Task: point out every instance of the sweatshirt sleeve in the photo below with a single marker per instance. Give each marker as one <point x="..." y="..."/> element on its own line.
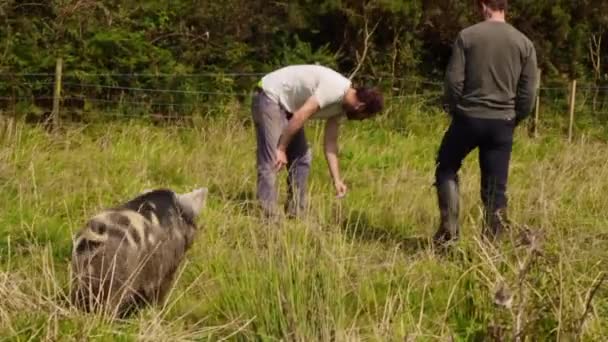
<point x="527" y="86"/>
<point x="455" y="74"/>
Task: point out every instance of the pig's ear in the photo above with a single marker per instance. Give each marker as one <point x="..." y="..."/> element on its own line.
<point x="193" y="201"/>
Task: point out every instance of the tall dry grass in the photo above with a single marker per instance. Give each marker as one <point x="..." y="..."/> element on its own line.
<point x="359" y="268"/>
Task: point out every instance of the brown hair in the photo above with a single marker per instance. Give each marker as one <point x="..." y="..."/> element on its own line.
<point x="495" y="5"/>
<point x="373" y="99"/>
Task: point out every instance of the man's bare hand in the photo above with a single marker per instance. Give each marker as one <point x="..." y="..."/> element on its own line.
<point x="281" y="159"/>
<point x="341" y="189"/>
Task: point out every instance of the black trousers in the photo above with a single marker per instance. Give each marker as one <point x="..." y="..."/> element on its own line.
<point x="494" y="138"/>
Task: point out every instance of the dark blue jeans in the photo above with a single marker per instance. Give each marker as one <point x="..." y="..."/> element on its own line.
<point x="494" y="138"/>
<point x="270" y="119"/>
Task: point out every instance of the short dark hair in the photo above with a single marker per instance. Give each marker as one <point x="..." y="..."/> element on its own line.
<point x="373" y="99"/>
<point x="496" y="5"/>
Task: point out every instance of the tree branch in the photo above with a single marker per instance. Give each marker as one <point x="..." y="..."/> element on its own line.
<point x="368" y="35"/>
<point x="192" y="37"/>
<point x="595" y="46"/>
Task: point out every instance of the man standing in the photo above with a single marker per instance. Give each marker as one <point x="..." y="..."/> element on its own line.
<point x="283" y="101"/>
<point x="490" y="87"/>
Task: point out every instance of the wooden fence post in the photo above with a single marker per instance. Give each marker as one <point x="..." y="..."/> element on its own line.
<point x="572" y="105"/>
<point x="57" y="93"/>
<point x="537" y="107"/>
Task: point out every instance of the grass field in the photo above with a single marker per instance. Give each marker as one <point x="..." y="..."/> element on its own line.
<point x="359" y="268"/>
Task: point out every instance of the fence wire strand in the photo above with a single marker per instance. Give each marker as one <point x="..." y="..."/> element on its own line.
<point x="76" y="88"/>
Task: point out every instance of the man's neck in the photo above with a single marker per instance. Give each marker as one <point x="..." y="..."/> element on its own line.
<point x="498" y="16"/>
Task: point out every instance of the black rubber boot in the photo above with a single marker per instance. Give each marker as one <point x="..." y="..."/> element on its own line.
<point x="449" y="228"/>
<point x="496" y="223"/>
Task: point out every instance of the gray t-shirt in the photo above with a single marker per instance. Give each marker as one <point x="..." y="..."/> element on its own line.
<point x="291" y="86"/>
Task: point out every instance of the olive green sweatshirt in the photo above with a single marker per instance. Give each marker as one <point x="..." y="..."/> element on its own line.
<point x="492" y="73"/>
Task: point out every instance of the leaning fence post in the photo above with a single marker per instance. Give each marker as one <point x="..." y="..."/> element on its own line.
<point x="572" y="104"/>
<point x="537" y="107"/>
<point x="57" y="93"/>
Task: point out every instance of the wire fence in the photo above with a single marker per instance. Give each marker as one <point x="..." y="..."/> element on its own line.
<point x="170" y="92"/>
<point x="187" y="95"/>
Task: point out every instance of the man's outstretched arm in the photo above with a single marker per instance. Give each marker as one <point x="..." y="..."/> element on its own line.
<point x="331" y="154"/>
